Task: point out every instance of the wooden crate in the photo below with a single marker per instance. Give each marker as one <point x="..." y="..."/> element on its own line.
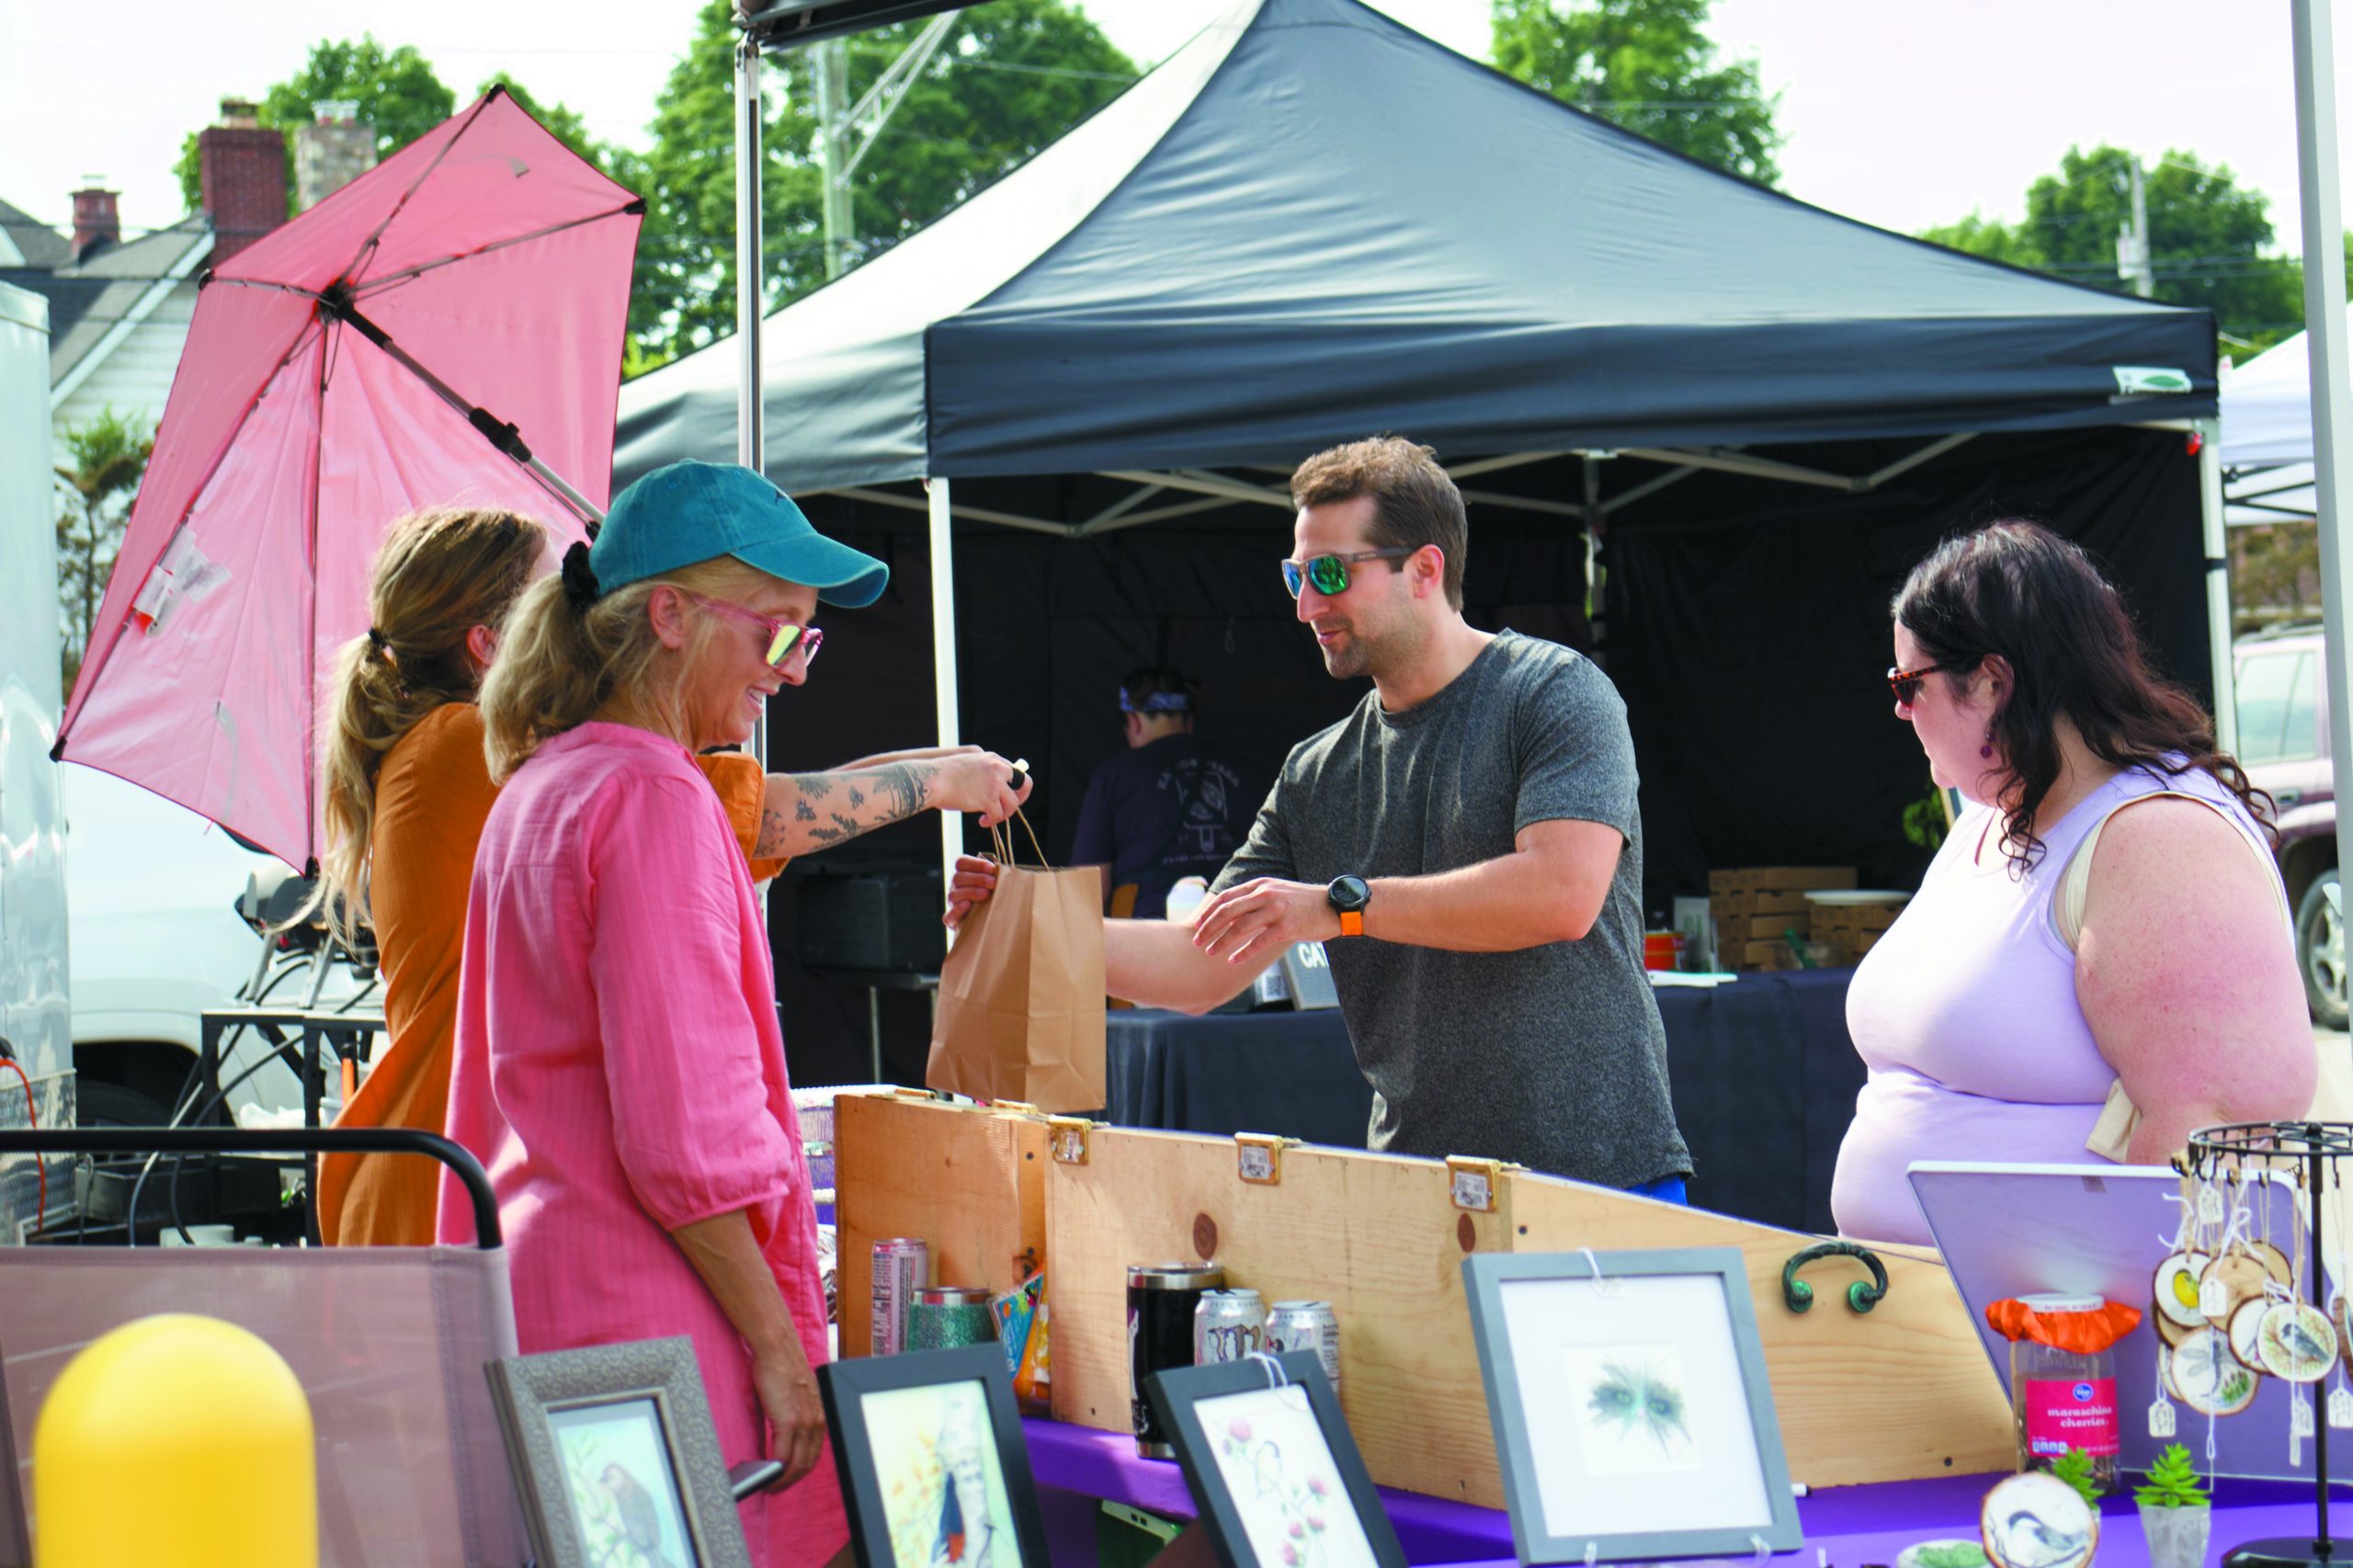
<point x="1376" y="1236"/>
<point x="1899" y="1394"/>
<point x="971" y="1182"/>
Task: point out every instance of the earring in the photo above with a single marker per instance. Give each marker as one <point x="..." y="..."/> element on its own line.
<point x="1985" y="752"/>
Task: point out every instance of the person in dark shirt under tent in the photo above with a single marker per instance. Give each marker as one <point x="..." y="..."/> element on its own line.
<point x="1167" y="808"/>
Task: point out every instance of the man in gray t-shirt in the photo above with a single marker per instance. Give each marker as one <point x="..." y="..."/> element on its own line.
<point x="1466" y="844"/>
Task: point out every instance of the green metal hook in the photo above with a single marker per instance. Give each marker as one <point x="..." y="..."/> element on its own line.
<point x="1798" y="1296"/>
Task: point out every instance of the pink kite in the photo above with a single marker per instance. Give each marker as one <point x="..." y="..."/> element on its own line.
<point x="447" y="329"/>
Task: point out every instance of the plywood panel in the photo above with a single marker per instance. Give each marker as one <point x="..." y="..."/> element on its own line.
<point x="1898" y="1393"/>
<point x="970" y="1182"/>
<point x="1377" y="1237"/>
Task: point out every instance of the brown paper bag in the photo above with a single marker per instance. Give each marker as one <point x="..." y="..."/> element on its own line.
<point x="1020" y="1013"/>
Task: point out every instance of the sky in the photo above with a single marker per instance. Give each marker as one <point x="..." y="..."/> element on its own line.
<point x="1902" y="113"/>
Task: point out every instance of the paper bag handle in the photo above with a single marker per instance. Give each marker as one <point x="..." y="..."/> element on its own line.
<point x="1001" y="838"/>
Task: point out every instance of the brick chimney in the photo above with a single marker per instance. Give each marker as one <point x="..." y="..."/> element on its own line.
<point x="243" y="170"/>
<point x="96" y="221"/>
<point x="330" y="152"/>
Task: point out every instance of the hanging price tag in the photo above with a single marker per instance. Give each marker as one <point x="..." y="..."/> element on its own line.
<point x="2210" y="1205"/>
<point x="2340" y="1407"/>
<point x="2161" y="1417"/>
<point x="2214" y="1294"/>
<point x="2300" y="1415"/>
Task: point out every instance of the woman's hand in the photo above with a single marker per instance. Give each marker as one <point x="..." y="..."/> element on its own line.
<point x="975" y="880"/>
<point x="978" y="781"/>
<point x="788" y="1392"/>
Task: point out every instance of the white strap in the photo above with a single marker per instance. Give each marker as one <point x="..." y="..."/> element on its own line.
<point x="2068" y="897"/>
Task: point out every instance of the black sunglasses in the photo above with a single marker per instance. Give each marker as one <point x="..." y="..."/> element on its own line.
<point x="1328" y="575"/>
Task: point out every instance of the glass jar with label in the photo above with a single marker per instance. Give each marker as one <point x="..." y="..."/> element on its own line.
<point x="2062" y="1398"/>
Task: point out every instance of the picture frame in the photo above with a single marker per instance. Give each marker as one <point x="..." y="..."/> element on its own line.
<point x="616" y="1457"/>
<point x="1270" y="1458"/>
<point x="933" y="1463"/>
<point x="1632" y="1412"/>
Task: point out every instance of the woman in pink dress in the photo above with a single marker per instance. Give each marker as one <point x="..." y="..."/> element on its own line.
<point x="618" y="1068"/>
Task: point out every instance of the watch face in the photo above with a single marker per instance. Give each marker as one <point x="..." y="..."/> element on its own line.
<point x="1347" y="893"/>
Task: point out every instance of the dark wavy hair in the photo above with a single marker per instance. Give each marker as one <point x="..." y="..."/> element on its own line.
<point x="2017" y="589"/>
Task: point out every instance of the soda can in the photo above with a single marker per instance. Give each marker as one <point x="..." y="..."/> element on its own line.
<point x="1228" y="1326"/>
<point x="902" y="1268"/>
<point x="1161" y="1300"/>
<point x="1307" y="1325"/>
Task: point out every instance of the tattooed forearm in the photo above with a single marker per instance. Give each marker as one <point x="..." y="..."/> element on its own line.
<point x="793" y="824"/>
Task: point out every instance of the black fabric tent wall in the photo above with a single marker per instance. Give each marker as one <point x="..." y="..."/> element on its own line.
<point x="1745" y="626"/>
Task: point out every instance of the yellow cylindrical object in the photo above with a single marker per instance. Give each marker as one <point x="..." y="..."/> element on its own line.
<point x="176" y="1441"/>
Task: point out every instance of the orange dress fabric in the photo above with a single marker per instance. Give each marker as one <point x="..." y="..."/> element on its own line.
<point x="433" y="794"/>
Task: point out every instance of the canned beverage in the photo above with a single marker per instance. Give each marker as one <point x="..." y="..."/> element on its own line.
<point x="1307" y="1325"/>
<point x="1228" y="1326"/>
<point x="1161" y="1298"/>
<point x="946" y="1316"/>
<point x="902" y="1268"/>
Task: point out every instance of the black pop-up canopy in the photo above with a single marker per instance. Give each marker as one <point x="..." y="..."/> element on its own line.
<point x="1312" y="222"/>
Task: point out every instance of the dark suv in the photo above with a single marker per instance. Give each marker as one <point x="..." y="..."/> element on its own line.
<point x="2284" y="741"/>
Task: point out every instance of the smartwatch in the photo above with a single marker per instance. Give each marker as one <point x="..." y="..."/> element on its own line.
<point x="1348" y="896"/>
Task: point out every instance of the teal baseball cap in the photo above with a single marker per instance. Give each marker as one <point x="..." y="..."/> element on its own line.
<point x="687" y="512"/>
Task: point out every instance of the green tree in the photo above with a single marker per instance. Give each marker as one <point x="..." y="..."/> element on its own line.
<point x="1014" y="76"/>
<point x="1649" y="66"/>
<point x="396" y="89"/>
<point x="2210" y="239"/>
<point x="106" y="460"/>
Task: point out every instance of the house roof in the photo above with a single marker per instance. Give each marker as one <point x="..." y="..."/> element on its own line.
<point x="114" y="283"/>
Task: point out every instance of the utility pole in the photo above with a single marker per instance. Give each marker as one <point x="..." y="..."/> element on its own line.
<point x="832" y="62"/>
<point x="2132" y="260"/>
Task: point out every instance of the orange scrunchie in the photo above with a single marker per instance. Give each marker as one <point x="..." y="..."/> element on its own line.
<point x="2085" y="1334"/>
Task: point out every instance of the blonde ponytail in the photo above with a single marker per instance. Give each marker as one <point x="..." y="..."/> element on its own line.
<point x="441" y="573"/>
<point x="568" y="650"/>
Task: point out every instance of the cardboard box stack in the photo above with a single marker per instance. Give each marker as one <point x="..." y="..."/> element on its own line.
<point x="1851" y="929"/>
<point x="1759" y="908"/>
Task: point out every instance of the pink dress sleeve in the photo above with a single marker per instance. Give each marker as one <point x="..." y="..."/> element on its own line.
<point x="691" y="1119"/>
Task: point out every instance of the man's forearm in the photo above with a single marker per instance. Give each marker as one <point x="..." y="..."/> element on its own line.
<point x="1154" y="964"/>
<point x="1497" y="906"/>
<point x="801" y="812"/>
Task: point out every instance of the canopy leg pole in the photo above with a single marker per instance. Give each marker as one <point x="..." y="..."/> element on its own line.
<point x="2316" y="169"/>
<point x="751" y="442"/>
<point x="2218" y="585"/>
<point x="943" y="660"/>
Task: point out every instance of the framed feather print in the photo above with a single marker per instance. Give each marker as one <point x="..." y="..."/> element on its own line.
<point x="1629" y="1403"/>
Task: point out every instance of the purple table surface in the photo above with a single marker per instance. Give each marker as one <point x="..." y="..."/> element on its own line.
<point x="1851" y="1527"/>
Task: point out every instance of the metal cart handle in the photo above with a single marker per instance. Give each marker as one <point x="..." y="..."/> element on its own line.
<point x="272" y="1141"/>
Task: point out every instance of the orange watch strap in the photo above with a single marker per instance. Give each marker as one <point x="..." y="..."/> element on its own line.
<point x="1352" y="923"/>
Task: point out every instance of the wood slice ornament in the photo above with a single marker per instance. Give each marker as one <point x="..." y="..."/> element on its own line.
<point x="2206" y="1377"/>
<point x="2275" y="1262"/>
<point x="2037" y="1520"/>
<point x="2246" y="1323"/>
<point x="2177" y="1289"/>
<point x="2295" y="1342"/>
<point x="2169" y="1333"/>
<point x="2229" y="1283"/>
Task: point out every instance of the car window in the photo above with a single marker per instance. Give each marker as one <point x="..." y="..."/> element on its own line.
<point x="2264" y="684"/>
<point x="2300" y="728"/>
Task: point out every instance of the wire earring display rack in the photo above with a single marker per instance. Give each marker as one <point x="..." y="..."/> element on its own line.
<point x="2311" y="1155"/>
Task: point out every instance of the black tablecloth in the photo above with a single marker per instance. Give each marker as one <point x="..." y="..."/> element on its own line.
<point x="1763" y="1072"/>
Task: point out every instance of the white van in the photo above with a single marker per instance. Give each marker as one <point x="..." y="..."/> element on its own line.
<point x="35" y="1031"/>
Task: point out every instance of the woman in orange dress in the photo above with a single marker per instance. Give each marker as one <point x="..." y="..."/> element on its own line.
<point x="407" y="789"/>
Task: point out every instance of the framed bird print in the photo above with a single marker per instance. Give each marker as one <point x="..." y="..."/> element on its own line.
<point x="934" y="1472"/>
<point x="1268" y="1456"/>
<point x="1629" y="1403"/>
<point x="616" y="1458"/>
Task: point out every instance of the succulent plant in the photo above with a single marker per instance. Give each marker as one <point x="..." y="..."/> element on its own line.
<point x="2172" y="1483"/>
<point x="2074" y="1468"/>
